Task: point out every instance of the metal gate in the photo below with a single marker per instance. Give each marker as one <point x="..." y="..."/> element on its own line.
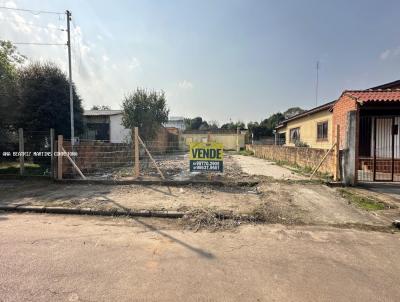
<point x="379" y="156"/>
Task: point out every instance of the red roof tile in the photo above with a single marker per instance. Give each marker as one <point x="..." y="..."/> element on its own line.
<point x="388" y="95"/>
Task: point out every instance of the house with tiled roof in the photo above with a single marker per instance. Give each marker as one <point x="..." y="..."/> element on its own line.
<point x="363" y="121"/>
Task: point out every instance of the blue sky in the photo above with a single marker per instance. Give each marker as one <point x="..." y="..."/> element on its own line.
<point x="238" y="60"/>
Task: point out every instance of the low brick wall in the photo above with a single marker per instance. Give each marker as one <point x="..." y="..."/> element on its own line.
<point x="301" y="156"/>
<point x="94" y="156"/>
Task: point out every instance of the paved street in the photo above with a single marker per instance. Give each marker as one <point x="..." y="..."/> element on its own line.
<point x="74" y="258"/>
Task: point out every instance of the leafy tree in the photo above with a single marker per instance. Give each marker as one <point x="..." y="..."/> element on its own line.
<point x="100" y="107"/>
<point x="146" y="110"/>
<point x="233" y="126"/>
<point x="292" y="112"/>
<point x="44" y="100"/>
<point x="193" y="123"/>
<point x="9" y="60"/>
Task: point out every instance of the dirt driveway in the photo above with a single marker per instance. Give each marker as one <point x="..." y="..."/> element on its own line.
<point x="256" y="166"/>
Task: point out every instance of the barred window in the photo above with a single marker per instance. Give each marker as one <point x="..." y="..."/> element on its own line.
<point x="322" y="131"/>
<point x="295" y="135"/>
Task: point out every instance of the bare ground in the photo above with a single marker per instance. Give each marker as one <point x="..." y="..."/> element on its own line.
<point x="271" y="202"/>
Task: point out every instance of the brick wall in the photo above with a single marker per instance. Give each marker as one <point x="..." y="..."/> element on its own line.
<point x="301" y="156"/>
<point x="97" y="156"/>
<point x="340" y="110"/>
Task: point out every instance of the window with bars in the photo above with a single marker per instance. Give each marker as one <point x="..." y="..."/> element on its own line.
<point x="322" y="131"/>
<point x="295" y="135"/>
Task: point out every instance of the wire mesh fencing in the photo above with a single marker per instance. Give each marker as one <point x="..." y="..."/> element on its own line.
<point x="26" y="153"/>
<point x="158" y="159"/>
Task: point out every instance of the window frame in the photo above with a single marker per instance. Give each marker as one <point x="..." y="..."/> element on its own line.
<point x="290" y="135"/>
<point x="323" y="138"/>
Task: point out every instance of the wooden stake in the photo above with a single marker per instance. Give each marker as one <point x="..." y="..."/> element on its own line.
<point x="59" y="159"/>
<point x="73" y="164"/>
<point x="137" y="162"/>
<point x="151" y="157"/>
<point x="337" y="154"/>
<point x="52" y="153"/>
<point x="322" y="160"/>
<point x="21" y="150"/>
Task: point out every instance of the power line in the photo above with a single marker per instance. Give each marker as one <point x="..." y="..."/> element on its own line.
<point x="31" y="24"/>
<point x="34" y="12"/>
<point x="34" y="43"/>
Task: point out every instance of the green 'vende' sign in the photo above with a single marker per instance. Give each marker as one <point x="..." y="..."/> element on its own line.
<point x="206" y="157"/>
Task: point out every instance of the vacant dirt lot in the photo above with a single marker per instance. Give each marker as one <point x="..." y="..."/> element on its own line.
<point x="288" y="203"/>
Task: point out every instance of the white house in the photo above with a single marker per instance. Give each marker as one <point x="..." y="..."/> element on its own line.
<point x="105" y="125"/>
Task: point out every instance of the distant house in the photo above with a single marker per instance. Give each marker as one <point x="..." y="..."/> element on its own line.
<point x="176" y="122"/>
<point x="105" y="125"/>
<point x="228" y="138"/>
<point x="312" y="128"/>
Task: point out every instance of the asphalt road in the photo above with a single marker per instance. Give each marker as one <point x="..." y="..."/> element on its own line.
<point x="72" y="258"/>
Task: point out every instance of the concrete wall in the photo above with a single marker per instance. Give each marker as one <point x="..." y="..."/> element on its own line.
<point x="118" y="133"/>
<point x="308" y="130"/>
<point x="301" y="156"/>
<point x="227" y="139"/>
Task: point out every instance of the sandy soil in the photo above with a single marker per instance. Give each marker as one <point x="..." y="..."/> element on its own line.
<point x="256" y="166"/>
<point x="282" y="202"/>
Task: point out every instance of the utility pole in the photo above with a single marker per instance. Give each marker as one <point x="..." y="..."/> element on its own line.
<point x="316" y="87"/>
<point x="71" y="99"/>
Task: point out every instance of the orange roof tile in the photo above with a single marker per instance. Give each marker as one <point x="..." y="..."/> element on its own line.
<point x="387" y="95"/>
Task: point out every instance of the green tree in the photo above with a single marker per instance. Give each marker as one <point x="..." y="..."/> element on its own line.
<point x="44" y="100"/>
<point x="193" y="123"/>
<point x="146" y="110"/>
<point x="9" y="60"/>
<point x="292" y="112"/>
<point x="233" y="126"/>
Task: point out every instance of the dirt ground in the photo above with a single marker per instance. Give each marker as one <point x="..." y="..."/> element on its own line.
<point x="77" y="258"/>
<point x="288" y="203"/>
<point x="256" y="166"/>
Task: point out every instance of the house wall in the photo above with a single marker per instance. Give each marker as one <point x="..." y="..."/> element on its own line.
<point x="227" y="139"/>
<point x="118" y="133"/>
<point x="339" y="117"/>
<point x="308" y="129"/>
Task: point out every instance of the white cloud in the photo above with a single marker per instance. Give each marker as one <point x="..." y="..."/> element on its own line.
<point x="390" y="53"/>
<point x="134" y="63"/>
<point x="11" y="4"/>
<point x="185" y="84"/>
<point x="105" y="58"/>
<point x="99" y="37"/>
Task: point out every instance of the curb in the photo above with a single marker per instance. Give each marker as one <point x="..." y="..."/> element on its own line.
<point x="88" y="211"/>
<point x="171" y="183"/>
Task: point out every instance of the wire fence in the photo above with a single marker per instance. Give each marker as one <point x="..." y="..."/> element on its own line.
<point x="158" y="159"/>
<point x="26" y="153"/>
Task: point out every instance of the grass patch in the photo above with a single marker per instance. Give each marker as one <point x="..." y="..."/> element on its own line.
<point x="12" y="168"/>
<point x="363" y="202"/>
<point x="306" y="171"/>
<point x="246" y="152"/>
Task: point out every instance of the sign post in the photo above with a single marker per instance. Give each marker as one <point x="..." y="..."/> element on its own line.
<point x="206" y="157"/>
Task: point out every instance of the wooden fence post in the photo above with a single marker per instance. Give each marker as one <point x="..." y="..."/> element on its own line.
<point x="336" y="176"/>
<point x="21" y="151"/>
<point x="237" y="140"/>
<point x="59" y="158"/>
<point x="52" y="153"/>
<point x="136" y="141"/>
